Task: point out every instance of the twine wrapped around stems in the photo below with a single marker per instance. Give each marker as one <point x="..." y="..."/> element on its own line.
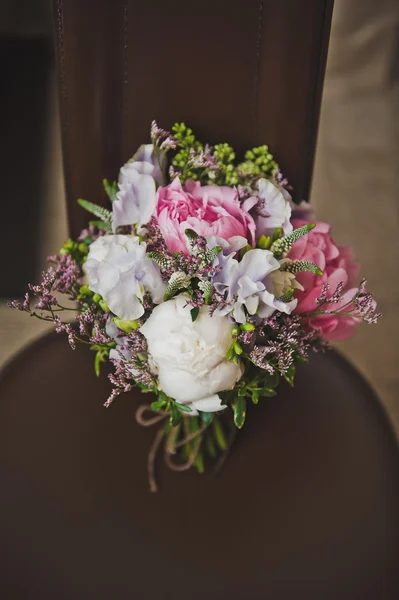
<point x="171" y="439"/>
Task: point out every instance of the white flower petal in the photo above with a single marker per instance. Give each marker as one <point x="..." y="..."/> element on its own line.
<point x="136" y="199"/>
<point x="117" y="268"/>
<point x="190" y="357"/>
<point x="277" y="206"/>
<point x="210" y="404"/>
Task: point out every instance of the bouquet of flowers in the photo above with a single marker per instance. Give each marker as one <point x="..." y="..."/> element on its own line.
<point x="204" y="285"/>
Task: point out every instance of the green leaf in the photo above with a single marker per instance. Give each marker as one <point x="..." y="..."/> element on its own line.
<point x="219" y="434"/>
<point x="290" y="374"/>
<point x="268" y="392"/>
<point x="199" y="463"/>
<point x="205" y="417"/>
<point x="102" y="213"/>
<point x="210" y="445"/>
<point x="100" y="357"/>
<point x="158" y="405"/>
<point x="240" y="411"/>
<point x="100" y="225"/>
<point x="183" y="407"/>
<point x="255" y="396"/>
<point x="110" y="189"/>
<point x="194" y="313"/>
<point x="176" y="416"/>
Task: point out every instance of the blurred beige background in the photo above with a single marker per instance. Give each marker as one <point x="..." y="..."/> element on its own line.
<point x="355" y="183"/>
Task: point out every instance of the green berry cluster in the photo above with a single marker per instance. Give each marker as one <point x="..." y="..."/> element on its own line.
<point x="181" y="161"/>
<point x="259" y="162"/>
<point x="225" y="156"/>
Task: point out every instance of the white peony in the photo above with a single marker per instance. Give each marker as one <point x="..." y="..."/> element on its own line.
<point x="136" y="198"/>
<point x="119" y="270"/>
<point x="190" y="357"/>
<point x="277" y="207"/>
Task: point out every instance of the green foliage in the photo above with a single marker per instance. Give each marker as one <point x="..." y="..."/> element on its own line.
<point x="182" y="160"/>
<point x="264" y="242"/>
<point x="206" y="417"/>
<point x="259" y="162"/>
<point x="100" y="212"/>
<point x="111" y="189"/>
<point x="126" y="326"/>
<point x="289" y="375"/>
<point x="219" y="435"/>
<point x="194" y="313"/>
<point x="282" y="246"/>
<point x="240" y="409"/>
<point x="227" y="173"/>
<point x="160" y="259"/>
<point x="206" y="288"/>
<point x="101" y="356"/>
<point x="288" y="295"/>
<point x="78" y="250"/>
<point x="297" y="266"/>
<point x="177" y="282"/>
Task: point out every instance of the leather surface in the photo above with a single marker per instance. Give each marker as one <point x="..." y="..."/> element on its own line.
<point x="306" y="506"/>
<point x="242" y="71"/>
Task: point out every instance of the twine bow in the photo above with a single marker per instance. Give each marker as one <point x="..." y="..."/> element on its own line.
<point x="172" y="441"/>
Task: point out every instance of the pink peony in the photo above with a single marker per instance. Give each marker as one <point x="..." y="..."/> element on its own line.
<point x="208" y="210"/>
<point x="337" y="264"/>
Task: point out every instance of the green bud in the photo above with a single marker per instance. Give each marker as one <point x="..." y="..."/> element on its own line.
<point x="104" y="305"/>
<point x="63" y="251"/>
<point x="229" y="354"/>
<point x="69" y="244"/>
<point x="247" y="327"/>
<point x="237" y="348"/>
<point x="264" y="242"/>
<point x="244" y="250"/>
<point x="83" y="248"/>
<point x="96" y="298"/>
<point x="126" y="326"/>
<point x="85" y="290"/>
<point x="278" y="233"/>
<point x="235" y="331"/>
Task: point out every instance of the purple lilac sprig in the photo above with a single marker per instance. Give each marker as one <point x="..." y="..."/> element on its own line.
<point x="361" y="305"/>
<point x="162" y="138"/>
<point x="131" y="367"/>
<point x="282" y="340"/>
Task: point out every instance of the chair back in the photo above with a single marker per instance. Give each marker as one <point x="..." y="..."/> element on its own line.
<point x="244" y="71"/>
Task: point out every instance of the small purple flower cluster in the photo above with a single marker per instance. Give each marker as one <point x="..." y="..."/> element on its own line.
<point x="360" y="305"/>
<point x="285" y="340"/>
<point x="135" y="348"/>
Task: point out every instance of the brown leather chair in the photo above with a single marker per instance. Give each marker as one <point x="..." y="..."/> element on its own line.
<point x="307" y="504"/>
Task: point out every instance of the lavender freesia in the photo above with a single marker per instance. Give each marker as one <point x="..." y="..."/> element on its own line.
<point x="138" y="180"/>
<point x="118" y="269"/>
<point x="248" y="284"/>
<point x="274" y="209"/>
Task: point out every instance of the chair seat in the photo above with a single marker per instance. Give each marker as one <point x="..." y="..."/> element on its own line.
<point x="306" y="506"/>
